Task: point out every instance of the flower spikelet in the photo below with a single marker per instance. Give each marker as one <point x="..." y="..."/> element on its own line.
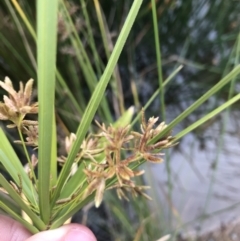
<point x="17" y="104"/>
<point x="117" y="169"/>
<point x="151" y="152"/>
<point x="31" y="132"/>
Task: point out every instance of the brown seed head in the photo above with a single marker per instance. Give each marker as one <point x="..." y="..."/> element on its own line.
<point x="17" y="104"/>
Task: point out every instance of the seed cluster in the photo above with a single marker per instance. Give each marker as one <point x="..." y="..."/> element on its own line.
<point x="110" y="157"/>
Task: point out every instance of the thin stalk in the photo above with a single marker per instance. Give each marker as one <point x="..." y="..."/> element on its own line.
<point x="158" y="53"/>
<point x="14" y="167"/>
<point x="107" y="43"/>
<point x="16" y="54"/>
<point x="102" y="28"/>
<point x="24" y="18"/>
<point x="20" y="29"/>
<point x="134" y="90"/>
<point x="161" y="95"/>
<point x="30" y="165"/>
<point x="90" y="36"/>
<point x="27" y="155"/>
<point x="236" y="62"/>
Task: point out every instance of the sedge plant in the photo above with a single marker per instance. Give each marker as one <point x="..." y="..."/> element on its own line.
<point x="98" y="164"/>
<point x="93" y="161"/>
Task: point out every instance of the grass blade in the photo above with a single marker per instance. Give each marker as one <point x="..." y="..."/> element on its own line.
<point x="14" y="167"/>
<point x="116" y="85"/>
<point x="4" y="198"/>
<point x="46" y="53"/>
<point x="158" y="53"/>
<point x="24" y="18"/>
<point x="207" y="117"/>
<point x="18" y="199"/>
<point x="200" y="101"/>
<point x="92" y="43"/>
<point x="18" y="218"/>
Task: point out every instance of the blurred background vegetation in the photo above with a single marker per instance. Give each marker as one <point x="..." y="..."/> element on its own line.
<point x="201" y="35"/>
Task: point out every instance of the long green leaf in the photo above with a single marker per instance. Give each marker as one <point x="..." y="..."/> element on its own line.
<point x="46" y="55"/>
<point x="4" y="198"/>
<point x="14" y="167"/>
<point x="200" y="101"/>
<point x="18" y="199"/>
<point x="107" y="43"/>
<point x="97" y="96"/>
<point x="158" y="53"/>
<point x="207" y="117"/>
<point x="18" y="218"/>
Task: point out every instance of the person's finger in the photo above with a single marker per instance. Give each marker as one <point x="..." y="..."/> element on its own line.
<point x="70" y="232"/>
<point x="11" y="230"/>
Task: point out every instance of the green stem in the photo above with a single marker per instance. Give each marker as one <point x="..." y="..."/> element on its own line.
<point x="27" y="155"/>
<point x="158" y="53"/>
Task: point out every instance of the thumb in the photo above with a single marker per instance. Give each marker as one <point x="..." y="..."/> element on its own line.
<point x="70" y="232"/>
